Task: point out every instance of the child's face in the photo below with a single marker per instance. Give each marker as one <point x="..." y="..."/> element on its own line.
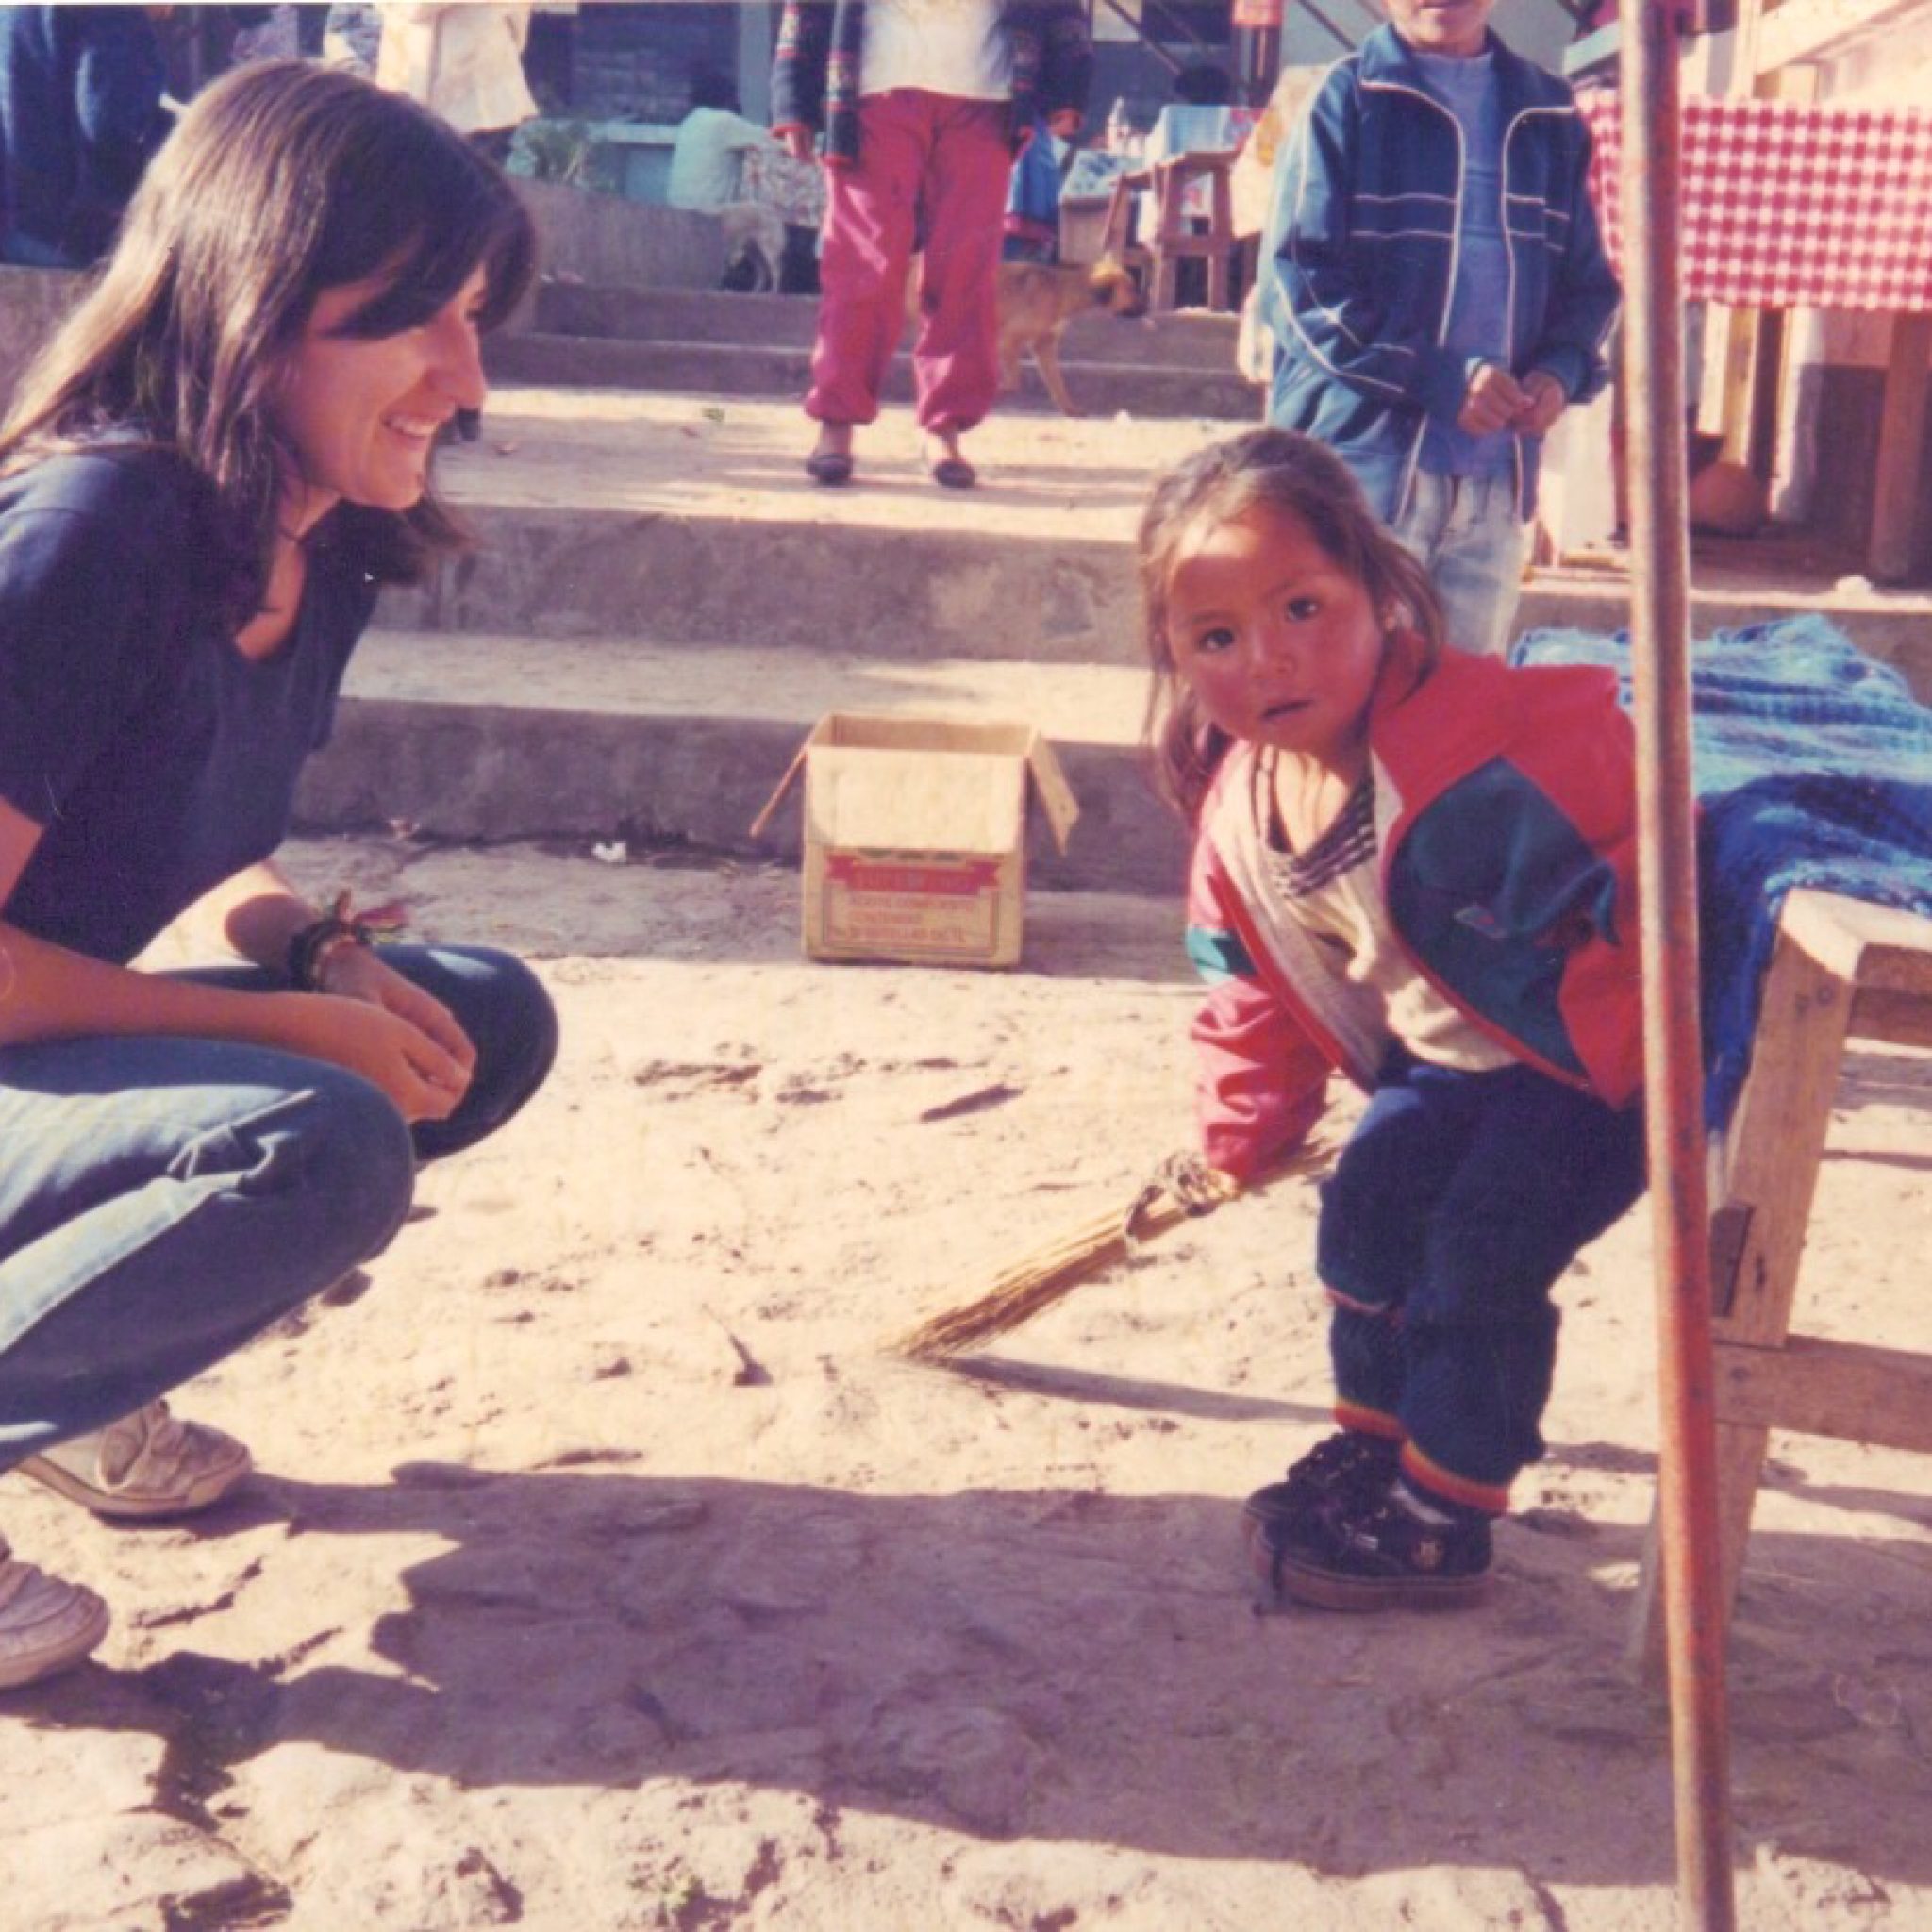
<point x="1450" y="28"/>
<point x="1279" y="644"/>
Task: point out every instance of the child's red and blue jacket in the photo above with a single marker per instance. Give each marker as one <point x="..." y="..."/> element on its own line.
<point x="1508" y="864"/>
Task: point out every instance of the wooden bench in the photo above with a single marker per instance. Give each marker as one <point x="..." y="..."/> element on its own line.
<point x="1842" y="970"/>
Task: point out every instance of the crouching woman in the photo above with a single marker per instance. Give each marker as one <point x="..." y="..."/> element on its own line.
<point x="204" y="479"/>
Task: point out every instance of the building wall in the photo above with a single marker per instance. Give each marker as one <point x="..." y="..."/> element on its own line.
<point x="1834" y="390"/>
<point x="32" y="301"/>
<point x="634" y="62"/>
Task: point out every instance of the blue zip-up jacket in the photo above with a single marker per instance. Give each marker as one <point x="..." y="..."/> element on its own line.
<point x="1363" y="237"/>
<point x="81" y="93"/>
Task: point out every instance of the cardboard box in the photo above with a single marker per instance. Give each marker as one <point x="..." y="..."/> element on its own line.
<point x="915" y="836"/>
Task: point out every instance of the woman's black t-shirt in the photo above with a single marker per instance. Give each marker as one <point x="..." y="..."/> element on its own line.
<point x="157" y="758"/>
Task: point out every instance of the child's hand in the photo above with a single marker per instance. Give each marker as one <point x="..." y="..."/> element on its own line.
<point x="1198" y="1188"/>
<point x="800" y="143"/>
<point x="1494" y="401"/>
<point x="1546" y="402"/>
<point x="1183" y="1180"/>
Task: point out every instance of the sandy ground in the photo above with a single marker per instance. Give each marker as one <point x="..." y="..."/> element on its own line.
<point x="603" y="1571"/>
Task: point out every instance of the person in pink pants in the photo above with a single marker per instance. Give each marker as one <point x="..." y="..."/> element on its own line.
<point x="923" y="104"/>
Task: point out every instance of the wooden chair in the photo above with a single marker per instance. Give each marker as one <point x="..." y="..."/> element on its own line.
<point x="1117" y="232"/>
<point x="1842" y="970"/>
<point x="1171" y="239"/>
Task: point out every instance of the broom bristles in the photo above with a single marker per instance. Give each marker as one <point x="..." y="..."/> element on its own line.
<point x="1051" y="1272"/>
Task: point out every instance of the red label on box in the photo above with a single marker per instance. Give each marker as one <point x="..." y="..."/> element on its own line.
<point x="920" y="881"/>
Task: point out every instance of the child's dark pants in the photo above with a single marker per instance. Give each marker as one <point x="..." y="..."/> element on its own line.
<point x="1457" y="1204"/>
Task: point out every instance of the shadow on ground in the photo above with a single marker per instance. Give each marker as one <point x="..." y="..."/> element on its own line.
<point x="1055" y="1662"/>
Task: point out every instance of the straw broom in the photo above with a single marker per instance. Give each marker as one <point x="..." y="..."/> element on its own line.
<point x="1182" y="1190"/>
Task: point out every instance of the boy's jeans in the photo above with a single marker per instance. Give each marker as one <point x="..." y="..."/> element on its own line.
<point x="164" y="1199"/>
<point x="1458" y="1202"/>
<point x="1467" y="534"/>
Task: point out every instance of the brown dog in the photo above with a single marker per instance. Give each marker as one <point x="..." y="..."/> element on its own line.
<point x="1036" y="300"/>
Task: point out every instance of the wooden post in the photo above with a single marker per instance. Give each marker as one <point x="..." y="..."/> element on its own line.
<point x="1688" y="1512"/>
<point x="1900" y="444"/>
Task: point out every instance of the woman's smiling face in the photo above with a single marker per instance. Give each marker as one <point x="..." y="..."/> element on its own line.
<point x="361" y="413"/>
<point x="1278" y="643"/>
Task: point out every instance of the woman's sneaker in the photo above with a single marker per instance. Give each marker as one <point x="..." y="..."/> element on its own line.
<point x="1392" y="1551"/>
<point x="1345" y="1464"/>
<point x="46" y="1625"/>
<point x="150" y="1463"/>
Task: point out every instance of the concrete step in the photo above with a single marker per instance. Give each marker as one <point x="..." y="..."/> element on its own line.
<point x="1189" y="338"/>
<point x="612" y="514"/>
<point x="662" y="605"/>
<point x="479" y="736"/>
<point x="740" y="369"/>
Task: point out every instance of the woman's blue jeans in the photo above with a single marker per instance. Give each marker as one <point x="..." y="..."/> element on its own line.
<point x="164" y="1200"/>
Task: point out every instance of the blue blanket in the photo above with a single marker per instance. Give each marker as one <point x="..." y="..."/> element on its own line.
<point x="1812" y="766"/>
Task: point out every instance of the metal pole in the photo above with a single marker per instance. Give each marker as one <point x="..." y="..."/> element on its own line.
<point x="1660" y="633"/>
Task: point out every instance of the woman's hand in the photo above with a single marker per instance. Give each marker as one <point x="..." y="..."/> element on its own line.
<point x="360" y="972"/>
<point x="372" y="1021"/>
<point x="799" y="144"/>
<point x="424" y="1079"/>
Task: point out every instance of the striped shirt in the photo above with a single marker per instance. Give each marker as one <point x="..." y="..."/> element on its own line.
<point x="1332" y="892"/>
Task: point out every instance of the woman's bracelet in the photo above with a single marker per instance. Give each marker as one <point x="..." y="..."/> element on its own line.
<point x="311" y="949"/>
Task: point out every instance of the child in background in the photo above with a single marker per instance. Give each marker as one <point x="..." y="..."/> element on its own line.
<point x="1416" y="866"/>
<point x="706" y="160"/>
<point x="1033" y="200"/>
<point x="1439" y="292"/>
<point x="923" y="104"/>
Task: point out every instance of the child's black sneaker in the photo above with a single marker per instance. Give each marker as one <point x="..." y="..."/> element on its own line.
<point x="1388" y="1551"/>
<point x="1348" y="1463"/>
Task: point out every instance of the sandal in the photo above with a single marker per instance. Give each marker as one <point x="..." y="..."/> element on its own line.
<point x="829" y="466"/>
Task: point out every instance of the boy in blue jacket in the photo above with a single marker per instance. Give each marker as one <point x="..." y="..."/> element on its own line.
<point x="1440" y="292"/>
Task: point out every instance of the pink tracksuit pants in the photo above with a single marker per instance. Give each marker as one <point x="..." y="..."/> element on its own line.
<point x="936" y="166"/>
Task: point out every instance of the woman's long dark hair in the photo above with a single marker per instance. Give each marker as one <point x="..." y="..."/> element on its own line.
<point x="283" y="178"/>
<point x="1284" y="471"/>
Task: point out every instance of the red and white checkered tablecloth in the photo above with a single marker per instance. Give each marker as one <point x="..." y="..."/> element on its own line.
<point x="1788" y="205"/>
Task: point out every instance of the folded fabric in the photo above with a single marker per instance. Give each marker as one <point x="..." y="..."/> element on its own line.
<point x="1812" y="766"/>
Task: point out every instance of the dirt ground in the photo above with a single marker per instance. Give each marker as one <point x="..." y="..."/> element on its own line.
<point x="604" y="1572"/>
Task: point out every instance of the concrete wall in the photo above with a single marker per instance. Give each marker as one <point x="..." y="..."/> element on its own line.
<point x="32" y="300"/>
<point x="611" y="243"/>
<point x="590" y="238"/>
